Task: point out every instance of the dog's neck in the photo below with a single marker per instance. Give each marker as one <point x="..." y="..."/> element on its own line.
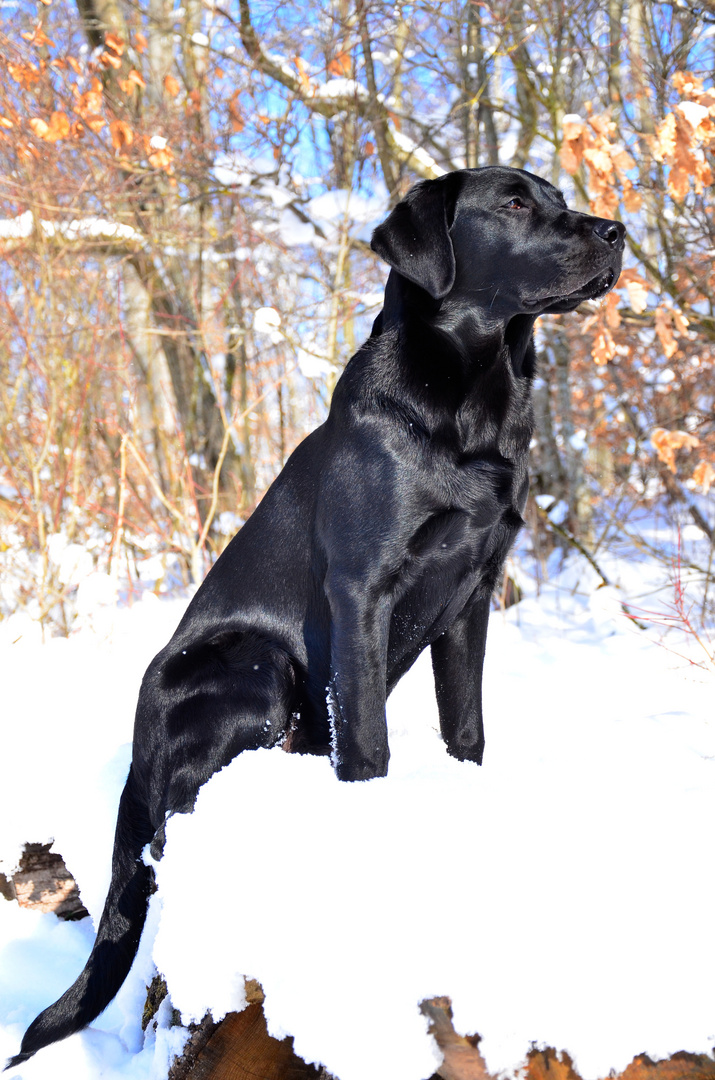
<point x="476" y="340"/>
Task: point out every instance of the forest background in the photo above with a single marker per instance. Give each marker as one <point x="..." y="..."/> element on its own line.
<point x="186" y="200"/>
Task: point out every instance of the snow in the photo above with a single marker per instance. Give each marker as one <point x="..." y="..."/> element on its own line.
<point x="560" y="894"/>
<point x="94" y="228"/>
<point x="417" y="153"/>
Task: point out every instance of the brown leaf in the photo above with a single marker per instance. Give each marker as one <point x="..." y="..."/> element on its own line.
<point x="704" y="476"/>
<point x="637" y="288"/>
<point x="341" y="65"/>
<point x="58" y="127"/>
<point x="664" y="330"/>
<point x="38" y="37"/>
<point x="122" y="135"/>
<point x="161" y="159"/>
<point x="604" y="347"/>
<point x="667" y="442"/>
<point x="140" y="42"/>
<point x="94" y="123"/>
<point x="632" y="199"/>
<point x="613" y="315"/>
<point x="665" y="136"/>
<point x="110" y="59"/>
<point x="111" y="41"/>
<point x="171" y="85"/>
<point x="235" y="112"/>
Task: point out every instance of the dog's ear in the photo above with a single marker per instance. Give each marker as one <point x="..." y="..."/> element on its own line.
<point x="415" y="239"/>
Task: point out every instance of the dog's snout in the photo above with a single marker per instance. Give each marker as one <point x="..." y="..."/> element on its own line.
<point x="611" y="232"/>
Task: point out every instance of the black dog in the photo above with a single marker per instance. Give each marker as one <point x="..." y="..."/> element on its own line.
<point x="386" y="532"/>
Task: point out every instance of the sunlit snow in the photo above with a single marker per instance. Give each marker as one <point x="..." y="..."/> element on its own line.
<point x="560" y="894"/>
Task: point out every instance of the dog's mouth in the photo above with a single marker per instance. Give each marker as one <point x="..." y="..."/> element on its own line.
<point x="594" y="289"/>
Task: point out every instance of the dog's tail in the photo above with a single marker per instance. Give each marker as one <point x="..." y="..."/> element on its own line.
<point x="117" y="941"/>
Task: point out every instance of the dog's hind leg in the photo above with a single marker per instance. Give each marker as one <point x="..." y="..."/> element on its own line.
<point x="202" y="703"/>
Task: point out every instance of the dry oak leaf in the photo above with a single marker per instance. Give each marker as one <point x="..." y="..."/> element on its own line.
<point x="38" y="37"/>
<point x="171" y="85"/>
<point x="161" y="159"/>
<point x="24" y="74"/>
<point x="637" y="288"/>
<point x="704" y="476"/>
<point x="341" y="64"/>
<point x="667" y="442"/>
<point x="122" y="135"/>
<point x="664" y="330"/>
<point x="613" y="315"/>
<point x="604" y="348"/>
<point x="687" y="83"/>
<point x="110" y="59"/>
<point x="305" y="79"/>
<point x="599" y="160"/>
<point x="58" y="127"/>
<point x="111" y="41"/>
<point x="632" y="199"/>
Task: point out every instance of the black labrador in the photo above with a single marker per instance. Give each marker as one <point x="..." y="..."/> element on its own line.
<point x="385" y="533"/>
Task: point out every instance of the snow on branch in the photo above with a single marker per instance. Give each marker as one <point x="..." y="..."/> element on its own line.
<point x="336" y="96"/>
<point x="14" y="231"/>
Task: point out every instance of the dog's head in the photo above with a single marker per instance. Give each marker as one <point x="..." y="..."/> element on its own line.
<point x="501" y="239"/>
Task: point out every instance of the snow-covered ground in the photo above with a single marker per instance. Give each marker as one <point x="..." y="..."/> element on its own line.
<point x="561" y="894"/>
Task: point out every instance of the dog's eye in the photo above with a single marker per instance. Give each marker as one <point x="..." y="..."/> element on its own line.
<point x="515" y="204"/>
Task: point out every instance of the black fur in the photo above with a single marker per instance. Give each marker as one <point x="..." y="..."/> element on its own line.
<point x="385" y="533"/>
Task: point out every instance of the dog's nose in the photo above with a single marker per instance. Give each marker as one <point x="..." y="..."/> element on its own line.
<point x="612" y="232"/>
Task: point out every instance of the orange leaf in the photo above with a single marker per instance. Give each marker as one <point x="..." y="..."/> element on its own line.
<point x="303" y="74"/>
<point x="38" y="37"/>
<point x="235" y="112"/>
<point x="667" y="442"/>
<point x="110" y="59"/>
<point x="613" y="315"/>
<point x="637" y="288"/>
<point x="604" y="348"/>
<point x="74" y="65"/>
<point x="4" y="122"/>
<point x="94" y="123"/>
<point x="219" y="73"/>
<point x="161" y="159"/>
<point x="632" y="199"/>
<point x="58" y="127"/>
<point x="135" y="77"/>
<point x="704" y="476"/>
<point x="341" y="65"/>
<point x="40" y="127"/>
<point x="140" y="42"/>
<point x="122" y="135"/>
<point x="24" y="74"/>
<point x="111" y="41"/>
<point x="664" y="330"/>
<point x="665" y="139"/>
<point x="171" y="85"/>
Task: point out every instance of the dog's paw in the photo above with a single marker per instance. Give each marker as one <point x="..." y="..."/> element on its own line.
<point x="467" y="752"/>
<point x="360" y="770"/>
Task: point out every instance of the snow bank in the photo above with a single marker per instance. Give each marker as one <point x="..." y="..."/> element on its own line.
<point x="560" y="894"/>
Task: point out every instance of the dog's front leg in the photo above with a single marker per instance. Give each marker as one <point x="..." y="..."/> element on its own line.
<point x="457" y="662"/>
<point x="357" y="691"/>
